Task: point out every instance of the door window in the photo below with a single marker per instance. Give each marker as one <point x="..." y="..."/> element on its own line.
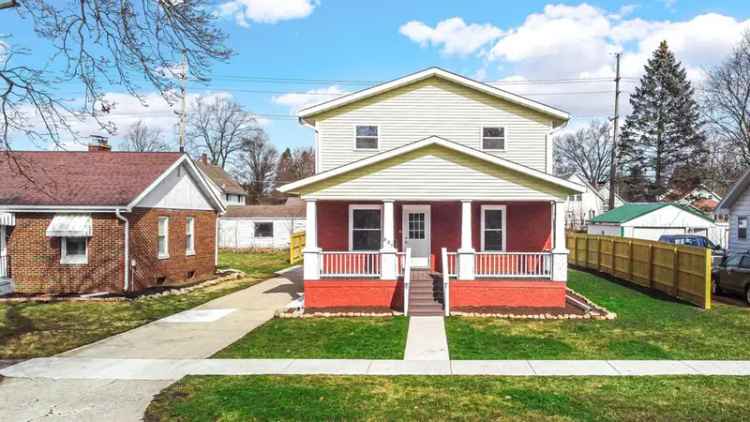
<point x="416" y="226"/>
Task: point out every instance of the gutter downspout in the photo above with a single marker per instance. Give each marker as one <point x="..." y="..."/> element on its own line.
<point x="126" y="287"/>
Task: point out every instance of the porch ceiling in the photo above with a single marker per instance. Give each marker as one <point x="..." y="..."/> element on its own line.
<point x="436" y="170"/>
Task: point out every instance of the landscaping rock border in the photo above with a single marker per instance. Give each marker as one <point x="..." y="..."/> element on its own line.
<point x="283" y="313"/>
<point x="223" y="276"/>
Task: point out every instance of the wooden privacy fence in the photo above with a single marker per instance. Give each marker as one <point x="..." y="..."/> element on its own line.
<point x="683" y="272"/>
<point x="296" y="243"/>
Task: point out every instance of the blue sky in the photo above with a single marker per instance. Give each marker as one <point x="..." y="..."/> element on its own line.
<point x="514" y="44"/>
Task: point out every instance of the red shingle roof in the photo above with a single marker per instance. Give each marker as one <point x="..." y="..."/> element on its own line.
<point x="79" y="178"/>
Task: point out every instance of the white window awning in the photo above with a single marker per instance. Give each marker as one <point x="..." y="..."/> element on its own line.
<point x="70" y="225"/>
<point x="7" y="219"/>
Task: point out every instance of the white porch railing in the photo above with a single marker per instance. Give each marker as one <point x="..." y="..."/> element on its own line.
<point x="407" y="279"/>
<point x="4" y="267"/>
<point x="349" y="264"/>
<point x="401" y="262"/>
<point x="447" y="280"/>
<point x="513" y="264"/>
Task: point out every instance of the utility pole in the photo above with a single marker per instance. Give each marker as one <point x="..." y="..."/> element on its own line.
<point x="183" y="95"/>
<point x="613" y="160"/>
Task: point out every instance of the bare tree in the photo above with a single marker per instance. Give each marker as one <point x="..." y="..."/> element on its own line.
<point x="257" y="166"/>
<point x="586" y="152"/>
<point x="295" y="164"/>
<point x="726" y="100"/>
<point x="142" y="138"/>
<point x="100" y="44"/>
<point x="218" y="127"/>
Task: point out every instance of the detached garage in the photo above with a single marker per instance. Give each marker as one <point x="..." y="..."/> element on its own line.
<point x="651" y="220"/>
<point x="261" y="226"/>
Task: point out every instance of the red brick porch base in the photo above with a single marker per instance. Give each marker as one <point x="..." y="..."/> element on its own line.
<point x="521" y="293"/>
<point x="353" y="293"/>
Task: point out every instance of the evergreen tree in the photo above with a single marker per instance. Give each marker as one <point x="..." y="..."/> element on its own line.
<point x="664" y="130"/>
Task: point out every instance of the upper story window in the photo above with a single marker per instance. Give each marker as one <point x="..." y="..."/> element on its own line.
<point x="493" y="138"/>
<point x="163" y="237"/>
<point x="235" y="199"/>
<point x="366" y="137"/>
<point x="190" y="236"/>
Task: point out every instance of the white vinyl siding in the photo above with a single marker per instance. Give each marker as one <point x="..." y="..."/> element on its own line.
<point x="239" y="233"/>
<point x="741" y="208"/>
<point x="435" y="173"/>
<point x="434" y="107"/>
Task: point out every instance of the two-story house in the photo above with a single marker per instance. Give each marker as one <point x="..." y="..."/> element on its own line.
<point x="441" y="174"/>
<point x="229" y="189"/>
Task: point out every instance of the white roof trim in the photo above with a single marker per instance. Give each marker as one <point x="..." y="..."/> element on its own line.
<point x="197" y="175"/>
<point x="432" y="140"/>
<point x="428" y="73"/>
<point x="734" y="193"/>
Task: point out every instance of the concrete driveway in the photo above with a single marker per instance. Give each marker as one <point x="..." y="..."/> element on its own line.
<point x="198" y="333"/>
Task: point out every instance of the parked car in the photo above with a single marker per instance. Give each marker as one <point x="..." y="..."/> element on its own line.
<point x="733" y="275"/>
<point x="717" y="253"/>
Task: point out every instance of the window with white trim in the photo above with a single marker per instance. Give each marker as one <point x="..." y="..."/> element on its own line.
<point x="493" y="227"/>
<point x="742" y="228"/>
<point x="74" y="250"/>
<point x="264" y="229"/>
<point x="493" y="138"/>
<point x="190" y="236"/>
<point x="365" y="227"/>
<point x="163" y="237"/>
<point x="366" y="137"/>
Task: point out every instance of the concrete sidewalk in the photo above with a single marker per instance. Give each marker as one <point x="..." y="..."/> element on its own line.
<point x="426" y="339"/>
<point x="114" y="392"/>
<point x="174" y="369"/>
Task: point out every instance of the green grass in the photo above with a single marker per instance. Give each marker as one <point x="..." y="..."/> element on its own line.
<point x="43" y="329"/>
<point x="328" y="338"/>
<point x="646" y="328"/>
<point x="283" y="398"/>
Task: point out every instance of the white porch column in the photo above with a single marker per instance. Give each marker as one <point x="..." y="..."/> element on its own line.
<point x="311" y="251"/>
<point x="559" y="250"/>
<point x="466" y="252"/>
<point x="388" y="259"/>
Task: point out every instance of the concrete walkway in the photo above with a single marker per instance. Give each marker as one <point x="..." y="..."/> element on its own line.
<point x="174" y="369"/>
<point x="426" y="339"/>
<point x="109" y="391"/>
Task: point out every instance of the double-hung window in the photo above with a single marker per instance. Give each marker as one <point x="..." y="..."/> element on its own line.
<point x="264" y="229"/>
<point x="742" y="228"/>
<point x="365" y="227"/>
<point x="74" y="250"/>
<point x="494" y="230"/>
<point x="366" y="137"/>
<point x="493" y="138"/>
<point x="190" y="236"/>
<point x="163" y="237"/>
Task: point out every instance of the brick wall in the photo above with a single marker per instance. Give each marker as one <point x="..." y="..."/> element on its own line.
<point x="149" y="269"/>
<point x="35" y="258"/>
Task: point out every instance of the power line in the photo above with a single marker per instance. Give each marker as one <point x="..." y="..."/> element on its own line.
<point x="336" y="94"/>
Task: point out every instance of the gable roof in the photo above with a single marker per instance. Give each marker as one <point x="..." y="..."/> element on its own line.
<point x="68" y="179"/>
<point x="437" y="72"/>
<point x="432" y="140"/>
<point x="633" y="210"/>
<point x="735" y="192"/>
<point x="267" y="211"/>
<point x="220" y="178"/>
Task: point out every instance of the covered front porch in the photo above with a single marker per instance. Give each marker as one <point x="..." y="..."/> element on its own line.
<point x="479" y="253"/>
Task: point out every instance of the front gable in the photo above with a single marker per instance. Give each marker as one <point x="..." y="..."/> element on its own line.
<point x="178" y="189"/>
<point x="434" y="172"/>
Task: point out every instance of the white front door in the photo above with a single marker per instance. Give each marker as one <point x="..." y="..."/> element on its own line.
<point x="416" y="233"/>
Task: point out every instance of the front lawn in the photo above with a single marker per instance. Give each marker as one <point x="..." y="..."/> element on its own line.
<point x="43" y="329"/>
<point x="348" y="398"/>
<point x="646" y="328"/>
<point x="324" y="338"/>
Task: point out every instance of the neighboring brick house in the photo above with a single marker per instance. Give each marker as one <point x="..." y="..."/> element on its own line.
<point x="230" y="190"/>
<point x="65" y="218"/>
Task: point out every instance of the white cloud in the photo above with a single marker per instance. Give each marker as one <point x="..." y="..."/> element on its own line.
<point x="453" y="35"/>
<point x="267" y="11"/>
<point x="299" y="100"/>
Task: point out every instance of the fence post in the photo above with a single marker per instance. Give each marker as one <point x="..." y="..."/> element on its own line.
<point x="598" y="253"/>
<point x="675" y="271"/>
<point x="651" y="265"/>
<point x="707" y="295"/>
<point x="631" y="258"/>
